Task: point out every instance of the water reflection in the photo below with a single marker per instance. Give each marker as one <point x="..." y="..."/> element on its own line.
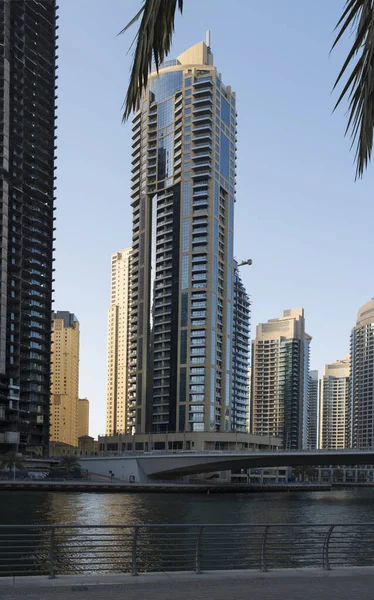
<point x="82" y="550"/>
<point x="96" y="509"/>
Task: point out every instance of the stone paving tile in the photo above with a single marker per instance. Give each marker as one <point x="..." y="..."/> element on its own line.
<point x="263" y="587"/>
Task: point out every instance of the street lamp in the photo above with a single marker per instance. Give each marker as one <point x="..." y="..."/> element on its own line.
<point x="245" y="262"/>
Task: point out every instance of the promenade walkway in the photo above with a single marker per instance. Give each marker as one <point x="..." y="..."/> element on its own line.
<point x="347" y="584"/>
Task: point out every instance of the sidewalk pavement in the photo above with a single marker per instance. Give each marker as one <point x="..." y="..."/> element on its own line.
<point x="305" y="584"/>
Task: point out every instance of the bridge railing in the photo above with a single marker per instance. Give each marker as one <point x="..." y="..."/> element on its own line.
<point x="54" y="550"/>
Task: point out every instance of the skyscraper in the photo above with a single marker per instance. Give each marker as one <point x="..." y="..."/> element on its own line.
<point x="182" y="194"/>
<point x="28" y="134"/>
<point x="312" y="438"/>
<point x="240" y="355"/>
<point x="362" y="377"/>
<point x="335" y="406"/>
<point x="280" y="365"/>
<point x="118" y="344"/>
<point x="83" y="417"/>
<point x="65" y="378"/>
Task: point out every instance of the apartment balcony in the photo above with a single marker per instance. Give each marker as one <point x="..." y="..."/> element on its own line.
<point x="203" y="89"/>
<point x="196" y="174"/>
<point x="200" y="98"/>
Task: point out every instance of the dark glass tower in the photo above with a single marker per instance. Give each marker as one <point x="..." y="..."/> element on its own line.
<point x="27" y="97"/>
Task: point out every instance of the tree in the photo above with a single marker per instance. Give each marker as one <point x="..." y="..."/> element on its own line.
<point x="69" y="464"/>
<point x="155" y="33"/>
<point x="12" y="461"/>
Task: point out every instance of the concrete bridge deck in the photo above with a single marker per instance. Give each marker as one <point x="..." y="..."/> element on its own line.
<point x="147" y="466"/>
<point x="347" y="584"/>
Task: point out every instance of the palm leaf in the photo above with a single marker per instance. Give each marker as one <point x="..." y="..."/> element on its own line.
<point x="359" y="86"/>
<point x="153" y="41"/>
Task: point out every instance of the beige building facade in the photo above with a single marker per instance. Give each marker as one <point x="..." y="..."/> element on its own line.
<point x="334" y="405"/>
<point x="83" y="417"/>
<point x="118" y="343"/>
<point x="279" y="378"/>
<point x="64" y="378"/>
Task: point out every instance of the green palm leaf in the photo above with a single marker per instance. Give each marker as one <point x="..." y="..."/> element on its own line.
<point x="153" y="40"/>
<point x="359" y="86"/>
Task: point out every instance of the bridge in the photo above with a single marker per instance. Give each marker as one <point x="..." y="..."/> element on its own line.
<point x="142" y="467"/>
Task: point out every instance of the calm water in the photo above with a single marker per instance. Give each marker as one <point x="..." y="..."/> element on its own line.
<point x="78" y="508"/>
<point x="110" y="550"/>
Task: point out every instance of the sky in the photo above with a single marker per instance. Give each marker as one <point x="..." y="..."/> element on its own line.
<point x="300" y="216"/>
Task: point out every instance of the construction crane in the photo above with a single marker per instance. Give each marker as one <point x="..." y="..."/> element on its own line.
<point x="245" y="262"/>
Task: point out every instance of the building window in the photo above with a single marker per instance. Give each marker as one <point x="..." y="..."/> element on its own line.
<point x="182" y="418"/>
<point x="229" y="282"/>
<point x="215" y="272"/>
<point x="185" y="260"/>
<point x="186" y="198"/>
<point x="225" y="111"/>
<point x="165" y="113"/>
<point x="224" y="158"/>
<point x="214" y="338"/>
<point x="186" y="235"/>
<point x="182" y="385"/>
<point x="214" y="310"/>
<point x="184" y="309"/>
<point x="197" y="426"/>
<point x="183" y="347"/>
<point x="215" y="238"/>
<point x="229" y="317"/>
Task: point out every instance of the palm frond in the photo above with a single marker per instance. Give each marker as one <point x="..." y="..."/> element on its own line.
<point x="153" y="41"/>
<point x="358" y="15"/>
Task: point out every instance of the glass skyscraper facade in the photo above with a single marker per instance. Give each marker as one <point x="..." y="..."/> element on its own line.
<point x="182" y="299"/>
<point x="28" y="133"/>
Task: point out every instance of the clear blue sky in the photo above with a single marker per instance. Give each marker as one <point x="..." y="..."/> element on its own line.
<point x="299" y="215"/>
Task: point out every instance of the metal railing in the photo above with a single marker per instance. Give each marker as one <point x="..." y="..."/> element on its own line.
<point x="54" y="550"/>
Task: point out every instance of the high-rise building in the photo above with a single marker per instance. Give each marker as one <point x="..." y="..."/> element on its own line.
<point x="27" y="143"/>
<point x="362" y="377"/>
<point x="118" y="344"/>
<point x="280" y="365"/>
<point x="183" y="194"/>
<point x="240" y="355"/>
<point x="83" y="417"/>
<point x="306" y="396"/>
<point x="335" y="406"/>
<point x="65" y="378"/>
<point x="312" y="435"/>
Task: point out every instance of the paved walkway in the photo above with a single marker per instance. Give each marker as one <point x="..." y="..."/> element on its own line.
<point x="350" y="584"/>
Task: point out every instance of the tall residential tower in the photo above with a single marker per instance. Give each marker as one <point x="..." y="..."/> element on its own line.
<point x="312" y="436"/>
<point x="240" y="355"/>
<point x="83" y="417"/>
<point x="65" y="378"/>
<point x="335" y="406"/>
<point x="27" y="146"/>
<point x="280" y="366"/>
<point x="118" y="344"/>
<point x="183" y="194"/>
<point x="362" y="377"/>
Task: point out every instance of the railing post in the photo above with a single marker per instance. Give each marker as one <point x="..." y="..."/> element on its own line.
<point x="198" y="551"/>
<point x="134" y="570"/>
<point x="263" y="549"/>
<point x="326" y="545"/>
<point x="52" y="574"/>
